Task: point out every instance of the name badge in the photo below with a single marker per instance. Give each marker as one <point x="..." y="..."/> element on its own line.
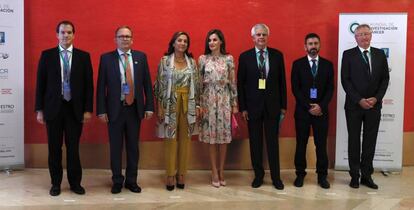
<point x="66" y="87"/>
<point x="262" y="84"/>
<point x="313" y="93"/>
<point x="125" y="89"/>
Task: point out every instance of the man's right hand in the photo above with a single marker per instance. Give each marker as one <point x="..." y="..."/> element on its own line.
<point x="365" y="104"/>
<point x="39" y="117"/>
<point x="103" y="118"/>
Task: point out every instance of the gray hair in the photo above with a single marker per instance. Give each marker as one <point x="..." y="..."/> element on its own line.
<point x="364" y="25"/>
<point x="262" y="26"/>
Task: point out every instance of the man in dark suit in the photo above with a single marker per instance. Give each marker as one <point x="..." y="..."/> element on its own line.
<point x="64" y="100"/>
<point x="123" y="81"/>
<point x="312" y="86"/>
<point x="262" y="95"/>
<point x="364" y="77"/>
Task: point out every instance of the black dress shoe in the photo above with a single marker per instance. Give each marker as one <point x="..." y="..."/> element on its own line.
<point x="354" y="183"/>
<point x="180" y="186"/>
<point x="278" y="184"/>
<point x="170" y="187"/>
<point x="116" y="188"/>
<point x="133" y="187"/>
<point x="324" y="183"/>
<point x="369" y="183"/>
<point x="257" y="183"/>
<point x="78" y="189"/>
<point x="298" y="181"/>
<point x="54" y="191"/>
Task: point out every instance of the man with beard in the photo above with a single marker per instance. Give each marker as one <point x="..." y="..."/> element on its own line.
<point x="312" y="85"/>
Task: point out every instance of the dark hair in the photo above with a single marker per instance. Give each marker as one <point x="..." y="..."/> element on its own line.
<point x="312" y="35"/>
<point x="65" y="22"/>
<point x="122" y="27"/>
<point x="220" y="36"/>
<point x="171" y="44"/>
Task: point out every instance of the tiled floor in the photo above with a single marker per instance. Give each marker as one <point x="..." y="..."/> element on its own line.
<point x="28" y="189"/>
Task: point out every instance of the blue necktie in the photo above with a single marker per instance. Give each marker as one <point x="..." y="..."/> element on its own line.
<point x="66" y="77"/>
<point x="314" y="68"/>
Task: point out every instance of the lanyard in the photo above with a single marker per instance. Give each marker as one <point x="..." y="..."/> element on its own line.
<point x="124" y="66"/>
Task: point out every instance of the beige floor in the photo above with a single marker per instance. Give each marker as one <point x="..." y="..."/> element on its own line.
<point x="28" y="189"/>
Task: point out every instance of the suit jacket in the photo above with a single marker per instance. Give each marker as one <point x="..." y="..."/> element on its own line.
<point x="356" y="80"/>
<point x="302" y="81"/>
<point x="49" y="83"/>
<point x="108" y="95"/>
<point x="253" y="100"/>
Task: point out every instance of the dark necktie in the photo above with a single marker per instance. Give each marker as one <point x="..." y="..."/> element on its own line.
<point x="367" y="61"/>
<point x="314" y="68"/>
<point x="129" y="98"/>
<point x="262" y="67"/>
<point x="66" y="76"/>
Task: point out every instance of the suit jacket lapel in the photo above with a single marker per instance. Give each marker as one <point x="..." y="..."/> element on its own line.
<point x="117" y="71"/>
<point x="135" y="64"/>
<point x="75" y="62"/>
<point x="56" y="60"/>
<point x="373" y="61"/>
<point x="362" y="61"/>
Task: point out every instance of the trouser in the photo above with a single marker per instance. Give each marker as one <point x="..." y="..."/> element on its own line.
<point x="181" y="143"/>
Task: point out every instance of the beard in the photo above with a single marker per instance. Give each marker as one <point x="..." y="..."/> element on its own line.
<point x="313" y="51"/>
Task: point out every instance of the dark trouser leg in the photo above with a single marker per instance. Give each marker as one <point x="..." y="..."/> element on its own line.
<point x="55" y="140"/>
<point x="354" y="122"/>
<point x="320" y="134"/>
<point x="256" y="146"/>
<point x="115" y="130"/>
<point x="302" y="136"/>
<point x="371" y="125"/>
<point x="271" y="127"/>
<point x="131" y="138"/>
<point x="73" y="130"/>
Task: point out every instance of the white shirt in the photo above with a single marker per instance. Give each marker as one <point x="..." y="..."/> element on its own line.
<point x="311" y="63"/>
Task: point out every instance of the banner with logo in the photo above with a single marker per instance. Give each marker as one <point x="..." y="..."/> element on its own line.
<point x="389" y="32"/>
<point x="11" y="84"/>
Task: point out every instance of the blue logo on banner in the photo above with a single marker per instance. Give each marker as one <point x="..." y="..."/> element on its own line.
<point x="386" y="51"/>
<point x="2" y="37"/>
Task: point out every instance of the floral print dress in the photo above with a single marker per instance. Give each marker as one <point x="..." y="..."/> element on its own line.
<point x="218" y="96"/>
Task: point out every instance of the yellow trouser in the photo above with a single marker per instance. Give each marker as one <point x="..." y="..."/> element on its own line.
<point x="181" y="136"/>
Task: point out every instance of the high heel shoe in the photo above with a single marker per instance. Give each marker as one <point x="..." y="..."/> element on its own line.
<point x="221" y="179"/>
<point x="169" y="186"/>
<point x="180" y="185"/>
<point x="215" y="184"/>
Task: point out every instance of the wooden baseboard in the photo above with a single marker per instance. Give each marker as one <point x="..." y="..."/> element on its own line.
<point x="238" y="155"/>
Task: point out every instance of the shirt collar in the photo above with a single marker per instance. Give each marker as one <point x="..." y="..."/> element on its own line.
<point x="70" y="48"/>
<point x="362" y="49"/>
<point x="122" y="53"/>
<point x="310" y="59"/>
<point x="257" y="50"/>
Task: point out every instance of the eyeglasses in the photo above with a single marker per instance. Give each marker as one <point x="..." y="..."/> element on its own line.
<point x="261" y="34"/>
<point x="124" y="37"/>
<point x="363" y="34"/>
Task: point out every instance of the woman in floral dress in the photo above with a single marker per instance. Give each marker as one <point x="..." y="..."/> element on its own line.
<point x="218" y="101"/>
